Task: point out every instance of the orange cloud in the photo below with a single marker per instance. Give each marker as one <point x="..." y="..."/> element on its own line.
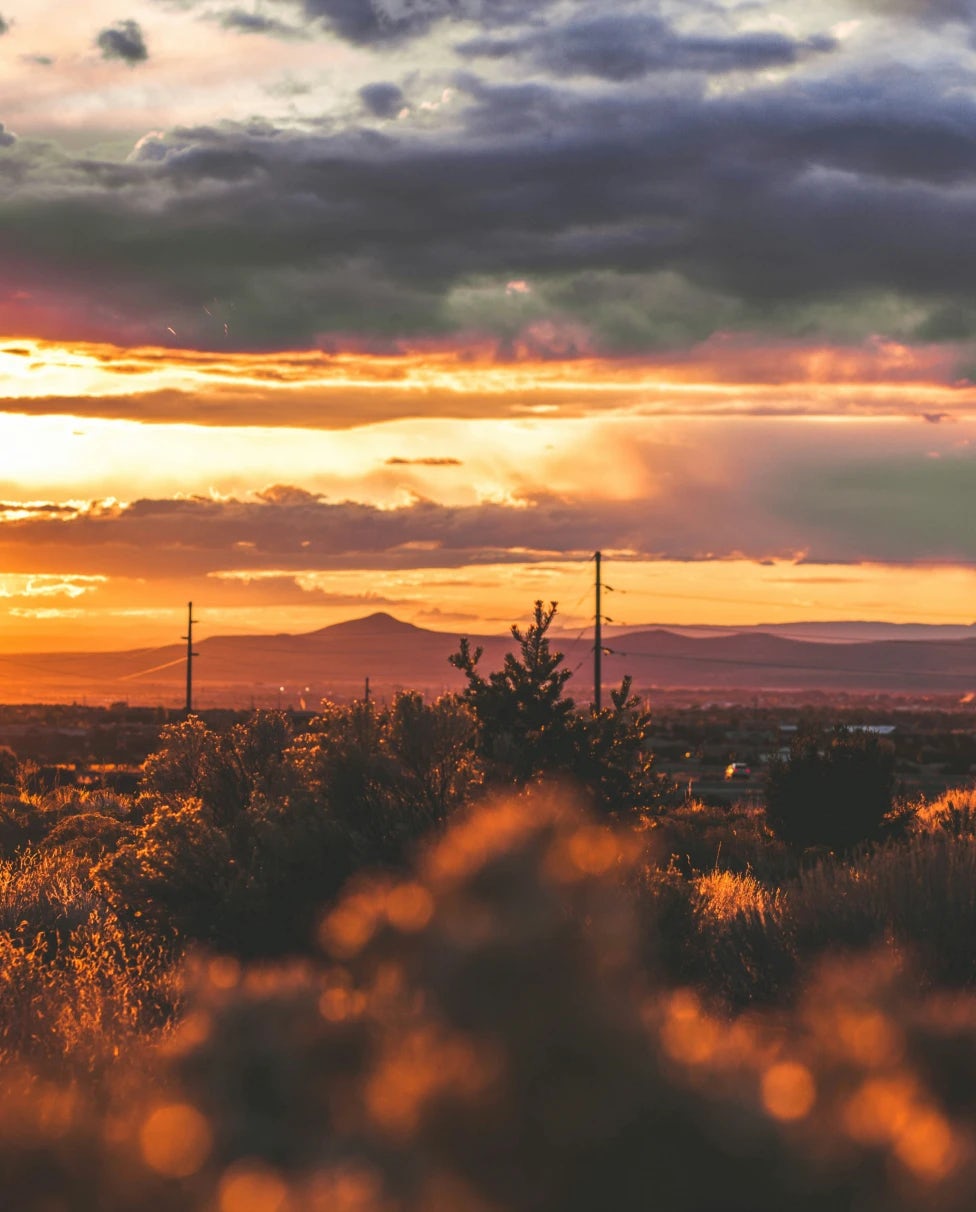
<point x="722" y="377"/>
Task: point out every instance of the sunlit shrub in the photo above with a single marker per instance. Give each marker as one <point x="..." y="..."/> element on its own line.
<point x="743" y="954"/>
<point x="721" y="895"/>
<point x="74" y="983"/>
<point x="252" y="885"/>
<point x="387" y="775"/>
<point x="44" y="893"/>
<point x="87" y="836"/>
<point x="953" y="812"/>
<point x="63" y="802"/>
<point x="30" y="823"/>
<point x="917" y="897"/>
<point x="224" y="771"/>
<point x="432" y="745"/>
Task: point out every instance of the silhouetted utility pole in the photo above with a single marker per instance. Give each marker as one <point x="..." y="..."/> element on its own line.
<point x="367" y="690"/>
<point x="598" y="639"/>
<point x="190" y="654"/>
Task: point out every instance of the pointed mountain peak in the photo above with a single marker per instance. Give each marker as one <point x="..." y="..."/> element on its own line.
<point x="375" y="625"/>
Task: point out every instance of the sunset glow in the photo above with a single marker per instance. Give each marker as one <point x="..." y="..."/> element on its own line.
<point x="315" y="311"/>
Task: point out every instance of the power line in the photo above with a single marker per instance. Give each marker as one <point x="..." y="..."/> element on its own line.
<point x="127" y="677"/>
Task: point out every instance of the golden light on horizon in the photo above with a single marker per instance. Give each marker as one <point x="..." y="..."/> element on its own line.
<point x="480" y="599"/>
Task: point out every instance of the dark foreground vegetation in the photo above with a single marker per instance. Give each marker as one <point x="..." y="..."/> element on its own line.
<point x="478" y="955"/>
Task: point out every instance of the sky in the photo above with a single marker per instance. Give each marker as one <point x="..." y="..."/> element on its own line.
<point x="312" y="308"/>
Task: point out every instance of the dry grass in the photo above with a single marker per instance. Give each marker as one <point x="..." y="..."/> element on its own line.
<point x="722" y="895"/>
<point x="75" y="987"/>
<point x="918" y="895"/>
<point x="754" y="942"/>
<point x="702" y="838"/>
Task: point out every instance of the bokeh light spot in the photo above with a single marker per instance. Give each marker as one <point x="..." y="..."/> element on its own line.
<point x="927" y="1146"/>
<point x="224" y="972"/>
<point x="593" y="850"/>
<point x="175" y="1140"/>
<point x="409" y="907"/>
<point x="251" y="1187"/>
<point x="788" y="1091"/>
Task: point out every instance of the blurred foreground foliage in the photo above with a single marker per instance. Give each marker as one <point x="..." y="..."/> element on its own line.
<point x="488" y="1030"/>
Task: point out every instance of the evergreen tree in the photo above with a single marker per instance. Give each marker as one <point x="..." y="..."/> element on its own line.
<point x="523" y="716"/>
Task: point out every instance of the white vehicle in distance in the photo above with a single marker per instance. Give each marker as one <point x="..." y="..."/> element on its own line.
<point x="737" y="770"/>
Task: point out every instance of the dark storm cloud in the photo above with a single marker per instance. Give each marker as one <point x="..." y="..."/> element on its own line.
<point x="368" y="22"/>
<point x="243" y="21"/>
<point x="628" y="46"/>
<point x="931" y="14"/>
<point x="928" y="12"/>
<point x="883" y="510"/>
<point x="382" y="100"/>
<point x="4" y="25"/>
<point x="125" y="41"/>
<point x="7" y="137"/>
<point x="363" y="21"/>
<point x="758" y="201"/>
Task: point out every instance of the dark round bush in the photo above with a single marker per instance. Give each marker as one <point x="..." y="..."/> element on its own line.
<point x="834" y="790"/>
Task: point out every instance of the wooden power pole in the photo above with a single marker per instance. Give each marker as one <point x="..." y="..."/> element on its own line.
<point x="598" y="639"/>
<point x="190" y="654"/>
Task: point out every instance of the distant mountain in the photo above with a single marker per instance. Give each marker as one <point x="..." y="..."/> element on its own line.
<point x="281" y="669"/>
<point x="335" y="661"/>
<point x="761" y="661"/>
<point x="830" y="632"/>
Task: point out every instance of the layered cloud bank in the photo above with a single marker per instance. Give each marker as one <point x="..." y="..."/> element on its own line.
<point x="649" y="176"/>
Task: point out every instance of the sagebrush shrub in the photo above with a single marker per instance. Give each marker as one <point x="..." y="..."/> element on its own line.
<point x="253" y="887"/>
<point x="952" y="812"/>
